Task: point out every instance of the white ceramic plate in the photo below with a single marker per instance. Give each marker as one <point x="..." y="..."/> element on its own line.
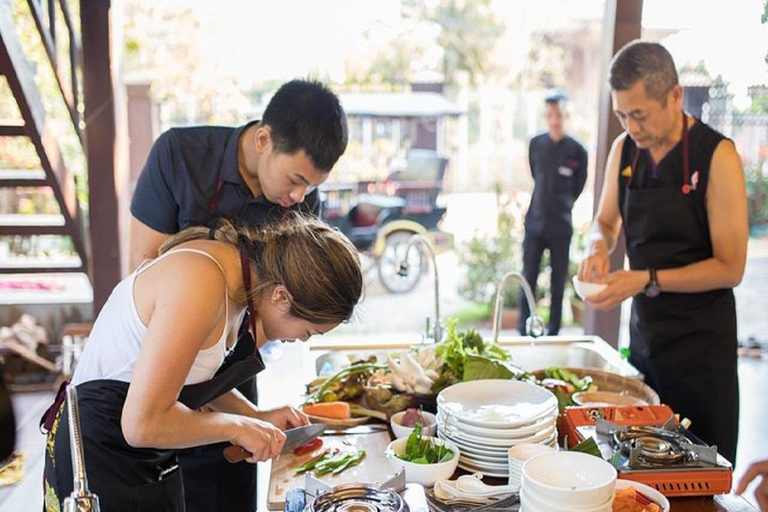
<point x="491" y="441"/>
<point x="350" y="422"/>
<point x="500" y="433"/>
<point x="496" y="403"/>
<point x="652" y="493"/>
<point x="473" y="468"/>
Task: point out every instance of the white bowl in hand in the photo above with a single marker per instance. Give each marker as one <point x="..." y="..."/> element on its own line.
<point x="585" y="289"/>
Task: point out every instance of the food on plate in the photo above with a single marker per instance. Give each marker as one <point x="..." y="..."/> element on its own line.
<point x="334" y="410"/>
<point x="632" y="500"/>
<point x="333" y="461"/>
<point x="468" y="357"/>
<point x="424" y="450"/>
<point x="415" y="373"/>
<point x="563" y="384"/>
<point x="344" y="385"/>
<point x="308" y="447"/>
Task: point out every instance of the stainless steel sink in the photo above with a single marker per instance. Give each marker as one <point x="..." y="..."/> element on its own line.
<point x="580" y="352"/>
<point x="527" y="353"/>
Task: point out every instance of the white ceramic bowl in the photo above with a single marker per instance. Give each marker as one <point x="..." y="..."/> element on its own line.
<point x="533" y="503"/>
<point x="430" y="429"/>
<point x="424" y="474"/>
<point x="572" y="480"/>
<point x="652" y="493"/>
<point x="585" y="289"/>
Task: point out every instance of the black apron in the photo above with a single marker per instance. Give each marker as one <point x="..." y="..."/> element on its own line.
<point x="210" y="481"/>
<point x="139" y="479"/>
<point x="123" y="477"/>
<point x="684" y="343"/>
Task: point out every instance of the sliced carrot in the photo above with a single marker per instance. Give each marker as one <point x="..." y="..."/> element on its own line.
<point x="335" y="410"/>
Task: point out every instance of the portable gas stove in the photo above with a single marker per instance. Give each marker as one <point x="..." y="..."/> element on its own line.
<point x="646" y="445"/>
<point x="393" y="495"/>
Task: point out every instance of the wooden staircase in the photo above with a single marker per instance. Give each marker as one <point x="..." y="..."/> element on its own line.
<point x="35" y="126"/>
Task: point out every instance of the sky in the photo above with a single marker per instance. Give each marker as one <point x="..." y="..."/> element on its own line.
<point x="289" y="38"/>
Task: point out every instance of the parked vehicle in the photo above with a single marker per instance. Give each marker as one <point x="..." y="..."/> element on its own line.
<point x="380" y="217"/>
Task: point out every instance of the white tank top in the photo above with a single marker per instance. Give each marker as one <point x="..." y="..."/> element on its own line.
<point x="115" y="340"/>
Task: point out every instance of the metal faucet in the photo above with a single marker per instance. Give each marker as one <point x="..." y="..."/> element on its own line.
<point x="81" y="499"/>
<point x="534" y="325"/>
<point x="402" y="270"/>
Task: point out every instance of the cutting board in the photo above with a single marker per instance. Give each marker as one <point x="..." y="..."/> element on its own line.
<point x="375" y="467"/>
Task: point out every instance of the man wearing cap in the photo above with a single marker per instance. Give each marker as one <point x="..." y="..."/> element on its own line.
<point x="559" y="169"/>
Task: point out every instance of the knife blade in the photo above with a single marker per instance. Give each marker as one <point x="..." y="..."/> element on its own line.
<point x="294" y="438"/>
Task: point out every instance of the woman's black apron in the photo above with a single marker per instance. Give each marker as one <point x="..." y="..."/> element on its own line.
<point x="126" y="478"/>
<point x="684" y="343"/>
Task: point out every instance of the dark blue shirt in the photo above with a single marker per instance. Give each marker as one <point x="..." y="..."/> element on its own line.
<point x="177" y="186"/>
<point x="559" y="171"/>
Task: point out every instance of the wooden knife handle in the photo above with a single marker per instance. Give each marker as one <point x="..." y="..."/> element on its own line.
<point x="236" y="453"/>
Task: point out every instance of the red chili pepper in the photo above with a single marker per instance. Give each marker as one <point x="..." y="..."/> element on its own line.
<point x="309" y="447"/>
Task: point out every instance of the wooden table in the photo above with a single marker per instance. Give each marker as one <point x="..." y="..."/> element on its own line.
<point x="284" y="380"/>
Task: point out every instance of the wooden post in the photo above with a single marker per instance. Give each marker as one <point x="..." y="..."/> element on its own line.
<point x="100" y="149"/>
<point x="623" y="23"/>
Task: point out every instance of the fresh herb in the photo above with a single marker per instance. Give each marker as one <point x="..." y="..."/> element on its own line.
<point x="333" y="462"/>
<point x="589" y="445"/>
<point x="564" y="384"/>
<point x="468" y="357"/>
<point x="424" y="450"/>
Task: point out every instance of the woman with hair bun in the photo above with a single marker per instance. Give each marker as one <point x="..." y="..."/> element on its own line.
<point x="157" y="352"/>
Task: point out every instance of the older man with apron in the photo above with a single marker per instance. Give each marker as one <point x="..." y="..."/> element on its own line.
<point x="676" y="186"/>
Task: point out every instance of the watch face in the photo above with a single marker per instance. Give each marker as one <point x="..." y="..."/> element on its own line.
<point x="652" y="291"/>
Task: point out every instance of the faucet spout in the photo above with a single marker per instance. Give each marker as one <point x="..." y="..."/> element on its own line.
<point x="534" y="325"/>
<point x="81" y="499"/>
<point x="402" y="269"/>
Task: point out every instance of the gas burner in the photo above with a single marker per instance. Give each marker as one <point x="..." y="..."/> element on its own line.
<point x="357" y="498"/>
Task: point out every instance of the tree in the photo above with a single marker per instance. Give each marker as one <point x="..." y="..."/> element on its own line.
<point x="468" y="32"/>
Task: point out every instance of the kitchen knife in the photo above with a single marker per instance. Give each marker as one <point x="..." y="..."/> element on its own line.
<point x="294" y="438"/>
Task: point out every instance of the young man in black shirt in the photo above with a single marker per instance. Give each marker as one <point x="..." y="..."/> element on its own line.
<point x="253" y="173"/>
<point x="559" y="169"/>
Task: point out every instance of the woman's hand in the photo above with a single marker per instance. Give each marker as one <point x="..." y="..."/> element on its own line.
<point x="622" y="284"/>
<point x="262" y="439"/>
<point x="284" y="417"/>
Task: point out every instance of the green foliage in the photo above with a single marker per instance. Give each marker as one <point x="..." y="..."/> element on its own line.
<point x="757" y="195"/>
<point x="488" y="257"/>
<point x="424" y="450"/>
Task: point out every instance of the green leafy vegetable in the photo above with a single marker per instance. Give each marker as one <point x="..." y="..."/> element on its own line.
<point x="468" y="357"/>
<point x="424" y="450"/>
<point x="589" y="445"/>
<point x="332" y="461"/>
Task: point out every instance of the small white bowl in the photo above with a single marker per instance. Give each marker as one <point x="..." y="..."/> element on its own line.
<point x="424" y="474"/>
<point x="571" y="479"/>
<point x="428" y="430"/>
<point x="585" y="289"/>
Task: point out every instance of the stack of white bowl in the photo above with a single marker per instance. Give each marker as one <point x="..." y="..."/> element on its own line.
<point x="519" y="454"/>
<point x="485" y="418"/>
<point x="573" y="481"/>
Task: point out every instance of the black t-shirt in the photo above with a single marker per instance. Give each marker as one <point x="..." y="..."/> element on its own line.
<point x="559" y="171"/>
<point x="179" y="181"/>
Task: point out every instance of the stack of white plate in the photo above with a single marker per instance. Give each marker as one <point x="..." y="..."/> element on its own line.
<point x="573" y="481"/>
<point x="485" y="418"/>
<point x="519" y="454"/>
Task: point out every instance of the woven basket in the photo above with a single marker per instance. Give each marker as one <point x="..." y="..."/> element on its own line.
<point x="606" y="381"/>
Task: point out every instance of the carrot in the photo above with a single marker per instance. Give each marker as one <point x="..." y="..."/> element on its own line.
<point x="335" y="410"/>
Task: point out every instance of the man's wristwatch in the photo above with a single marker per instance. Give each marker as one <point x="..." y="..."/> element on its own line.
<point x="652" y="289"/>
